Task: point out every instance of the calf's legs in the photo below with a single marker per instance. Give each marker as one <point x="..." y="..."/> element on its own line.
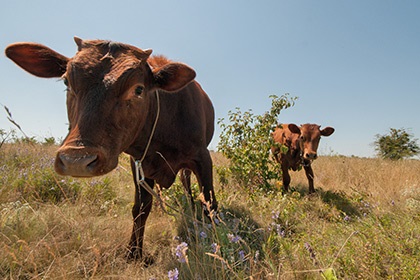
<point x="310" y="175"/>
<point x="286" y="177"/>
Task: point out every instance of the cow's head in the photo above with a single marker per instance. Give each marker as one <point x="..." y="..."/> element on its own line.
<point x="110" y="90"/>
<point x="309" y="137"/>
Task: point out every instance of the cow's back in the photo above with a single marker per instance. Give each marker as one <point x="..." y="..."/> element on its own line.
<point x="187" y="118"/>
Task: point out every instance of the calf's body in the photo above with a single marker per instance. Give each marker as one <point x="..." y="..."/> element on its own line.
<point x="302" y="144"/>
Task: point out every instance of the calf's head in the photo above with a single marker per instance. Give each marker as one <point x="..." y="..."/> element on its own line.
<point x="309" y="137"/>
<point x="110" y="91"/>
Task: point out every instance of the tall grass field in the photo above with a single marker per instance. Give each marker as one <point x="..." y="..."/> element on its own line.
<point x="363" y="222"/>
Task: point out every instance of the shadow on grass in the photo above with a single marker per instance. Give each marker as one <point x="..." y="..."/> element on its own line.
<point x="236" y="220"/>
<point x="337" y="199"/>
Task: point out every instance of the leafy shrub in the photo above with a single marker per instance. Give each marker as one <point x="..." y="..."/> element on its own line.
<point x="396" y="145"/>
<point x="246" y="141"/>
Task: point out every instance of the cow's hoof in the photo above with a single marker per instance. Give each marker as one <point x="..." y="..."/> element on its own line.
<point x="148" y="261"/>
<point x="134" y="256"/>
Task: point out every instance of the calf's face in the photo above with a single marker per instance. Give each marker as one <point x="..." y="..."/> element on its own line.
<point x="110" y="96"/>
<point x="310" y="135"/>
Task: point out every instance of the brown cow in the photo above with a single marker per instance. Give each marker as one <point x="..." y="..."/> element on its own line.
<point x="302" y="144"/>
<point x="119" y="99"/>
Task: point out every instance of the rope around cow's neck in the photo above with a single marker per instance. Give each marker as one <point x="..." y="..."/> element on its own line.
<point x="139" y="172"/>
<point x="153" y="128"/>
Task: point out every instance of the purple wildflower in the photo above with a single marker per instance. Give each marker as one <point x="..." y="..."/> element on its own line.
<point x="347" y="218"/>
<point x="173" y="274"/>
<point x="203" y="234"/>
<point x="275" y="214"/>
<point x="256" y="256"/>
<point x="241" y="255"/>
<point x="311" y="251"/>
<point x="181" y="252"/>
<point x="214" y="248"/>
<point x="233" y="238"/>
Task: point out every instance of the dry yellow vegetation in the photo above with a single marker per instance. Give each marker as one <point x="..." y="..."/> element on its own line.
<point x="362" y="223"/>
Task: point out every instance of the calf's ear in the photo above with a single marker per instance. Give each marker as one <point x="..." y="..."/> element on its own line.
<point x="37" y="59"/>
<point x="327" y="131"/>
<point x="294" y="128"/>
<point x="173" y="76"/>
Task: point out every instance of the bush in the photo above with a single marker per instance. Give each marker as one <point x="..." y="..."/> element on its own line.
<point x="396" y="145"/>
<point x="246" y="141"/>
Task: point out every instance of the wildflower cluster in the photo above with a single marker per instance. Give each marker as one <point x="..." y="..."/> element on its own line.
<point x="173" y="274"/>
<point x="311" y="252"/>
<point x="276" y="225"/>
<point x="226" y="244"/>
<point x="181" y="252"/>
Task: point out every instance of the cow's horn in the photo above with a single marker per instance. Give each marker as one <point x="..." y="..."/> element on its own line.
<point x="79" y="42"/>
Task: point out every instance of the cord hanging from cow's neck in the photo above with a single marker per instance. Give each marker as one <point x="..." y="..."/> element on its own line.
<point x="139" y="172"/>
<point x="153" y="128"/>
<point x="138" y="162"/>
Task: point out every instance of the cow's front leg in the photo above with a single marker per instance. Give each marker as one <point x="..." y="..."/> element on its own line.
<point x="285" y="176"/>
<point x="310" y="175"/>
<point x="204" y="174"/>
<point x="141" y="210"/>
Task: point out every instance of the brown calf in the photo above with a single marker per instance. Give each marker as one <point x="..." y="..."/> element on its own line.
<point x="119" y="99"/>
<point x="302" y="144"/>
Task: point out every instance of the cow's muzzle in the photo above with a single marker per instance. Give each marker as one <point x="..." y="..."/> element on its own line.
<point x="82" y="162"/>
<point x="310" y="156"/>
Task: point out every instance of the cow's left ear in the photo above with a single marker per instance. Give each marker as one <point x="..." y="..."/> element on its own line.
<point x="327" y="131"/>
<point x="37" y="59"/>
<point x="173" y="76"/>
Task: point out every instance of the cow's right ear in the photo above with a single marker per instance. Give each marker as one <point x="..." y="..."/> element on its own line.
<point x="173" y="76"/>
<point x="37" y="59"/>
<point x="294" y="128"/>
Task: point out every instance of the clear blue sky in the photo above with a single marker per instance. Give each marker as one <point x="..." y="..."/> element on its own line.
<point x="355" y="65"/>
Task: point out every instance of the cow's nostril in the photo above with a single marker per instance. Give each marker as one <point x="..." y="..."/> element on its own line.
<point x="81" y="161"/>
<point x="76" y="165"/>
<point x="94" y="162"/>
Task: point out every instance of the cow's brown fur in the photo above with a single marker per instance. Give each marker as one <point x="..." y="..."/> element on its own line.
<point x="302" y="144"/>
<point x="112" y="104"/>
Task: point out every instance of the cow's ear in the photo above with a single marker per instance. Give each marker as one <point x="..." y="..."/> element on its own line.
<point x="294" y="128"/>
<point x="327" y="131"/>
<point x="173" y="76"/>
<point x="37" y="59"/>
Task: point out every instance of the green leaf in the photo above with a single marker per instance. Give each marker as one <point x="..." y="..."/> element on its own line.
<point x="329" y="274"/>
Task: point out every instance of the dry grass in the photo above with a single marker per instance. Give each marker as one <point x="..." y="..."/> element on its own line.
<point x="382" y="180"/>
<point x="363" y="223"/>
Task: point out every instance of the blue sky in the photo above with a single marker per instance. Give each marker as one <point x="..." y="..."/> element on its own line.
<point x="355" y="65"/>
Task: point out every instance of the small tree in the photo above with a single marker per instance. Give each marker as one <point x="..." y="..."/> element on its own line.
<point x="396" y="145"/>
<point x="246" y="140"/>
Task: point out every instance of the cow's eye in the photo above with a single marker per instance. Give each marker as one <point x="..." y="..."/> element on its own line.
<point x="138" y="91"/>
<point x="66" y="82"/>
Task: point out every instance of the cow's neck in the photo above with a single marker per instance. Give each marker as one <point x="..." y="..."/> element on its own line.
<point x="141" y="145"/>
